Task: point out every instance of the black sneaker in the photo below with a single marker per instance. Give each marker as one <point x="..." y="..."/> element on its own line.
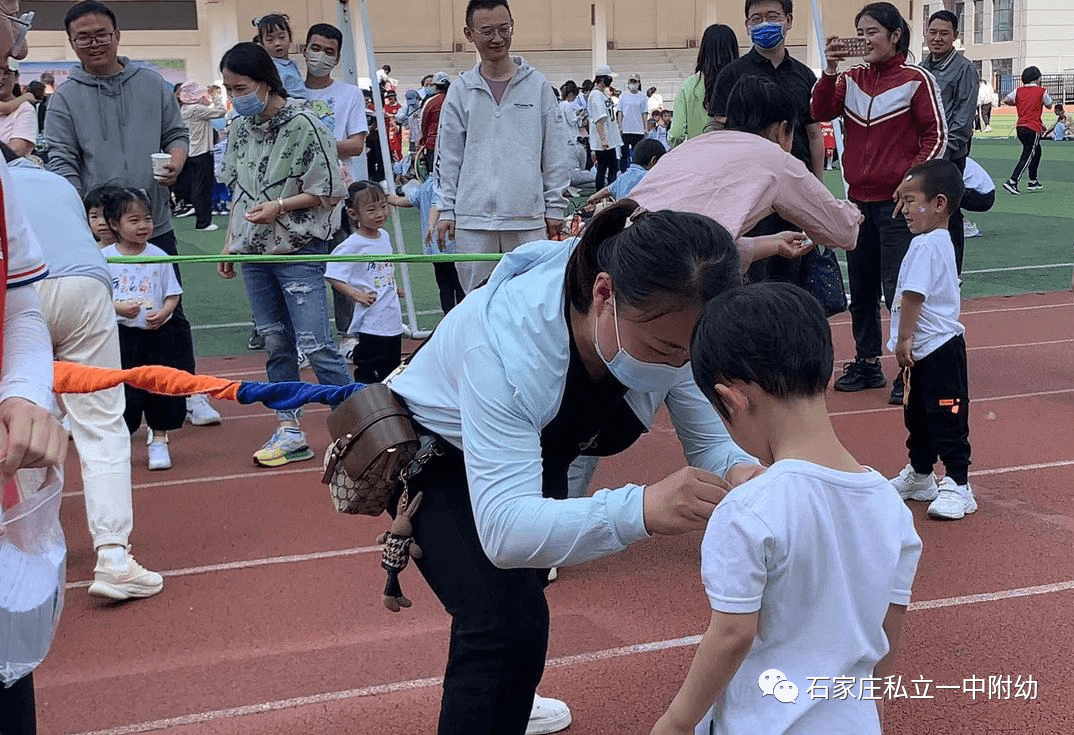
<point x="898" y="390"/>
<point x="859" y="375"/>
<point x="1035" y="186"/>
<point x="1011" y="186"/>
<point x="257" y="342"/>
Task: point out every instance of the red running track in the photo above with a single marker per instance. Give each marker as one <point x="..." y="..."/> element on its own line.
<point x="271" y="622"/>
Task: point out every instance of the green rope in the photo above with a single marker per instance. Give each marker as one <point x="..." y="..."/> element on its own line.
<point x="441" y="258"/>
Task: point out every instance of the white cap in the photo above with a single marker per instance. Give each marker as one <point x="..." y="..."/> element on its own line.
<point x="604" y="71"/>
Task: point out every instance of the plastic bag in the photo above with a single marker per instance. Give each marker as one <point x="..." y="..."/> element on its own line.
<point x="33" y="569"/>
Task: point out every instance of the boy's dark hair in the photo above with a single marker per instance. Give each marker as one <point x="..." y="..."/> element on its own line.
<point x="889" y="17"/>
<point x="945" y="15"/>
<point x="659" y="261"/>
<point x="273" y="22"/>
<point x="1030" y="74"/>
<point x="602" y="79"/>
<point x="37" y="89"/>
<point x="387" y="68"/>
<point x="939" y="176"/>
<point x="88" y="7"/>
<point x="788" y="6"/>
<point x="98" y="196"/>
<point x="648" y="152"/>
<point x="252" y="60"/>
<point x="120" y="199"/>
<point x="773" y="335"/>
<point x="475" y="5"/>
<point x="326" y="30"/>
<point x="756" y="102"/>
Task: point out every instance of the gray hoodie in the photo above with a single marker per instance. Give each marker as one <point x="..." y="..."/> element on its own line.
<point x="502" y="166"/>
<point x="101" y="131"/>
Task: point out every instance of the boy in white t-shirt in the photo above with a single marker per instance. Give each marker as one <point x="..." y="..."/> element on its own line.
<point x="927" y="340"/>
<point x="808" y="566"/>
<point x="378" y="316"/>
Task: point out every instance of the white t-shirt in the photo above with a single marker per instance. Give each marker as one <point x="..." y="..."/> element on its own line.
<point x="976" y="178"/>
<point x="385" y="317"/>
<point x="819" y="555"/>
<point x="148" y="284"/>
<point x="634" y="106"/>
<point x="929" y="269"/>
<point x="656" y="102"/>
<point x="602" y="108"/>
<point x="21" y="124"/>
<point x="341" y="108"/>
<point x="570" y="116"/>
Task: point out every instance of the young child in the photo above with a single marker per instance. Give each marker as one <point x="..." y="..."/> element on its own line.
<point x="927" y="340"/>
<point x="808" y="566"/>
<point x="646" y="154"/>
<point x="94" y="203"/>
<point x="423" y="197"/>
<point x="1030" y="100"/>
<point x="1060" y="129"/>
<point x="378" y="318"/>
<point x="145" y="296"/>
<point x="274" y="34"/>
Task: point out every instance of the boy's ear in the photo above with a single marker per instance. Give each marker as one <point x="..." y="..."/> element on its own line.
<point x="942" y="202"/>
<point x="734" y="399"/>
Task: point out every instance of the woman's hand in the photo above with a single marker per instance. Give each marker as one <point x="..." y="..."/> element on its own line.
<point x="833" y="54"/>
<point x="29" y="437"/>
<point x="682" y="501"/>
<point x="226" y="269"/>
<point x="264" y="214"/>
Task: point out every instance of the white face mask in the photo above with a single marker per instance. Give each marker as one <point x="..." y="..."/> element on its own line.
<point x="319" y="64"/>
<point x="633" y="86"/>
<point x="645" y="377"/>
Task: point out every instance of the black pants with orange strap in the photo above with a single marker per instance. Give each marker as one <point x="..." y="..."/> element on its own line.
<point x="937" y="411"/>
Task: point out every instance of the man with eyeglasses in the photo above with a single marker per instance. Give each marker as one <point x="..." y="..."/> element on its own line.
<point x="102" y="126"/>
<point x="501" y="160"/>
<point x="768" y="22"/>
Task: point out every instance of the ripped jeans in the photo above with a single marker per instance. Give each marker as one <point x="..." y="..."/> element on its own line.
<point x="290" y="306"/>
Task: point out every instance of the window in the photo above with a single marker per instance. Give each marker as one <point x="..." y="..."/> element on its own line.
<point x="979" y="66"/>
<point x="978" y="21"/>
<point x="1003" y="80"/>
<point x="1002" y="20"/>
<point x="925" y="21"/>
<point x="960" y="13"/>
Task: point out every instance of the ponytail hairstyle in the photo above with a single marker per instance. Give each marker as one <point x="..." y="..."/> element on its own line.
<point x="755" y="103"/>
<point x="659" y="262"/>
<point x="891" y="19"/>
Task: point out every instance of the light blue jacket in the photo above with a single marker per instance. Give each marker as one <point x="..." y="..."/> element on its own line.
<point x="493" y="377"/>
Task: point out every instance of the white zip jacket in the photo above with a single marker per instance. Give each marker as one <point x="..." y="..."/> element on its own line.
<point x="502" y="166"/>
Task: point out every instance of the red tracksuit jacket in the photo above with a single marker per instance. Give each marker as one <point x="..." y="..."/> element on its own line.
<point x="894" y="120"/>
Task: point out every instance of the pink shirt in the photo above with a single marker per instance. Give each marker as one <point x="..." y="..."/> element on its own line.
<point x="738" y="179"/>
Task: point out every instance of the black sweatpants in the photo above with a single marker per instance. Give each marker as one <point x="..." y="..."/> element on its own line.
<point x="376" y="356"/>
<point x="18" y="714"/>
<point x="955" y="224"/>
<point x="630" y="142"/>
<point x="183" y="336"/>
<point x="139" y="347"/>
<point x="607" y="167"/>
<point x="447" y="282"/>
<point x="775" y="268"/>
<point x="1031" y="152"/>
<point x="196" y="186"/>
<point x="937" y="411"/>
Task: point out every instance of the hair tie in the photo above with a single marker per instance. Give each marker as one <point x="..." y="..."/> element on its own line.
<point x="635" y="216"/>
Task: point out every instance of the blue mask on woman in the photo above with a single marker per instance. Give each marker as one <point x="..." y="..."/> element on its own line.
<point x="645" y="377"/>
<point x="249" y="105"/>
<point x="767" y="36"/>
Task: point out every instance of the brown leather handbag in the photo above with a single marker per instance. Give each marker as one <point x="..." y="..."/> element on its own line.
<point x="374" y="441"/>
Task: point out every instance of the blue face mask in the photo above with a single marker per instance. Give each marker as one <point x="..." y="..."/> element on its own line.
<point x="249" y="105"/>
<point x="645" y="377"/>
<point x="767" y="36"/>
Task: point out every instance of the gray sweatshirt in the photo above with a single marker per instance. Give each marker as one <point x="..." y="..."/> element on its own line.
<point x="502" y="166"/>
<point x="958" y="83"/>
<point x="101" y="131"/>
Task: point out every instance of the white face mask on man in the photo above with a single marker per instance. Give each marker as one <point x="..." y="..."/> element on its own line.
<point x="320" y="64"/>
<point x="634" y="86"/>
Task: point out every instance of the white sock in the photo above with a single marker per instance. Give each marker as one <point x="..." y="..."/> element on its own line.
<point x="113" y="555"/>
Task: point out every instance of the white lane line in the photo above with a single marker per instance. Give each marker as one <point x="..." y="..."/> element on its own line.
<point x="978" y="348"/>
<point x="988" y="399"/>
<point x="253" y="563"/>
<point x="1022" y="468"/>
<point x="214" y="478"/>
<point x="556" y="663"/>
<point x="1010" y="268"/>
<point x="844" y="321"/>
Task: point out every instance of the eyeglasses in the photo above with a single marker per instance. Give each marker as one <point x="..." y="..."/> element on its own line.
<point x="772" y="17"/>
<point x="101" y="39"/>
<point x="488" y="33"/>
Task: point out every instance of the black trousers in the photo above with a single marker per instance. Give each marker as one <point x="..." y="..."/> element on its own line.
<point x="630" y="141"/>
<point x="607" y="167"/>
<point x="975" y="201"/>
<point x="139" y="347"/>
<point x="937" y="411"/>
<point x="447" y="281"/>
<point x="956" y="222"/>
<point x="775" y="268"/>
<point x="984" y="116"/>
<point x="195" y="185"/>
<point x="873" y="268"/>
<point x="1031" y="152"/>
<point x="376" y="356"/>
<point x="18" y="714"/>
<point x="584" y="142"/>
<point x="183" y="336"/>
<point x="499" y="617"/>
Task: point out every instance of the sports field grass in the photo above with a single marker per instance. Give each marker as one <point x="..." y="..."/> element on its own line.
<point x="1034" y="229"/>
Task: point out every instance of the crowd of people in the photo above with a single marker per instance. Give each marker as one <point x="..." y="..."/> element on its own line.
<point x="565" y="350"/>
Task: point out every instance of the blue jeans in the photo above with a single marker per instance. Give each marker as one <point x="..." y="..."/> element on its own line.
<point x="290" y="307"/>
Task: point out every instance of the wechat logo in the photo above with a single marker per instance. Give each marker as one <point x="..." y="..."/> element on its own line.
<point x="775" y="683"/>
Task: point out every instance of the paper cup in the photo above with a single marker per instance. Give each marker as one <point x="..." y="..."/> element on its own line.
<point x="160" y="162"/>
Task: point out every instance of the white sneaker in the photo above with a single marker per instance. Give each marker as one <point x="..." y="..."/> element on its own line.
<point x="969" y="229"/>
<point x="548" y="716"/>
<point x="954" y="501"/>
<point x="123" y="580"/>
<point x="346" y="347"/>
<point x="211" y="227"/>
<point x="553" y="574"/>
<point x="303" y="361"/>
<point x="913" y="486"/>
<point x="159" y="457"/>
<point x="200" y="413"/>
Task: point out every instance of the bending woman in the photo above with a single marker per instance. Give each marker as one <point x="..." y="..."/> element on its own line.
<point x="745" y="172"/>
<point x="567" y="350"/>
